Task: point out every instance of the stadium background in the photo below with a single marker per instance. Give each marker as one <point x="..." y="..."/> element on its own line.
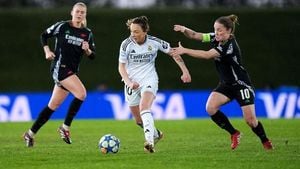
<point x="267" y="34"/>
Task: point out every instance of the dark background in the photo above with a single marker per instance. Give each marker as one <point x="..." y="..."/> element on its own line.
<point x="269" y="39"/>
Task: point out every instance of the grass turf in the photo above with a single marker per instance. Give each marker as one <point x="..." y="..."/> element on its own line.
<point x="195" y="143"/>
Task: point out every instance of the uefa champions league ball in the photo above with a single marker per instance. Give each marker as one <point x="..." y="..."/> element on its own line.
<point x="109" y="144"/>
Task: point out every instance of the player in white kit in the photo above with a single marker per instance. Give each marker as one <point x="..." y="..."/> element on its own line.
<point x="137" y="69"/>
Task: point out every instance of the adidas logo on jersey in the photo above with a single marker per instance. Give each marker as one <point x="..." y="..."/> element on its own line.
<point x="133" y="51"/>
<point x="149" y="86"/>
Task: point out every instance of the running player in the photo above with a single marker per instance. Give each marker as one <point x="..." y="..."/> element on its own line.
<point x="73" y="40"/>
<point x="137" y="69"/>
<point x="234" y="80"/>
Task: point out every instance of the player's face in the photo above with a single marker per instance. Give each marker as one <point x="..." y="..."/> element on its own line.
<point x="221" y="32"/>
<point x="78" y="13"/>
<point x="137" y="33"/>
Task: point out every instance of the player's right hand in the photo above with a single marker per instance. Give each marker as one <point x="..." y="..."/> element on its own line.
<point x="133" y="85"/>
<point x="50" y="55"/>
<point x="179" y="28"/>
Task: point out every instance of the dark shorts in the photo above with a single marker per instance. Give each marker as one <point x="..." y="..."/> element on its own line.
<point x="242" y="92"/>
<point x="61" y="73"/>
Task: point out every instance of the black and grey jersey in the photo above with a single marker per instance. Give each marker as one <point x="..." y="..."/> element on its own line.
<point x="68" y="44"/>
<point x="229" y="62"/>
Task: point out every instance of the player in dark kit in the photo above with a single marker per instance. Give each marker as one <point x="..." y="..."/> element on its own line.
<point x="234" y="80"/>
<point x="73" y="40"/>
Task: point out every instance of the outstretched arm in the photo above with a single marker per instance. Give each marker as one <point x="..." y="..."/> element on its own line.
<point x="200" y="54"/>
<point x="185" y="77"/>
<point x="188" y="32"/>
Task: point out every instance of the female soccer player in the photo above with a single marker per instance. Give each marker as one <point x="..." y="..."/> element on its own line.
<point x="137" y="69"/>
<point x="73" y="40"/>
<point x="234" y="80"/>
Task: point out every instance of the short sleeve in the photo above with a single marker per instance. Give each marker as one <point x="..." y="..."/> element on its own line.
<point x="161" y="44"/>
<point x="123" y="51"/>
<point x="164" y="46"/>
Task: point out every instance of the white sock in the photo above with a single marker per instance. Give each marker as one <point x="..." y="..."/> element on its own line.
<point x="148" y="124"/>
<point x="31" y="134"/>
<point x="66" y="127"/>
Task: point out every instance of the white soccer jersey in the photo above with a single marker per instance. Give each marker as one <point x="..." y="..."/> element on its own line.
<point x="140" y="59"/>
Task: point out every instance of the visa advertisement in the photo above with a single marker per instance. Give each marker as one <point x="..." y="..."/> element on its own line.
<point x="168" y="105"/>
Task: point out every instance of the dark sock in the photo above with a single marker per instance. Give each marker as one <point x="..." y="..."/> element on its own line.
<point x="140" y="124"/>
<point x="73" y="109"/>
<point x="222" y="121"/>
<point x="43" y="117"/>
<point x="260" y="132"/>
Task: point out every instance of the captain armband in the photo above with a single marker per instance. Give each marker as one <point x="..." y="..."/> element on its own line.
<point x="205" y="37"/>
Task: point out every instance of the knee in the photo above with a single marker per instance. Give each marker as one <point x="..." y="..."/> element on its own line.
<point x="54" y="105"/>
<point x="81" y="96"/>
<point x="211" y="109"/>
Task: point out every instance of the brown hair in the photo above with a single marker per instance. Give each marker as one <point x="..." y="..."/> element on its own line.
<point x="84" y="21"/>
<point x="141" y="20"/>
<point x="228" y="21"/>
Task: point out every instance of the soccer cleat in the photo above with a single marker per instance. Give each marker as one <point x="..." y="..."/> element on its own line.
<point x="29" y="141"/>
<point x="149" y="147"/>
<point x="268" y="145"/>
<point x="235" y="139"/>
<point x="160" y="136"/>
<point x="65" y="135"/>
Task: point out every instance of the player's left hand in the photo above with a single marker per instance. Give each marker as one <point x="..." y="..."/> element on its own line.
<point x="85" y="46"/>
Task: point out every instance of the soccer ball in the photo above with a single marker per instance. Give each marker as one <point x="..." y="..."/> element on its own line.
<point x="109" y="144"/>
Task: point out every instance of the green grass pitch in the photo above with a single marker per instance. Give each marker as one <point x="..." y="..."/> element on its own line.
<point x="194" y="143"/>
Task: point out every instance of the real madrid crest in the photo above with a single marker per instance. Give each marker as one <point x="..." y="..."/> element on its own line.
<point x="149" y="48"/>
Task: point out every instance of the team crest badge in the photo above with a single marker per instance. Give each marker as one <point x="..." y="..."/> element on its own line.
<point x="149" y="48"/>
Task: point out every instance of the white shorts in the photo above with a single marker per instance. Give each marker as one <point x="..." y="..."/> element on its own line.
<point x="133" y="97"/>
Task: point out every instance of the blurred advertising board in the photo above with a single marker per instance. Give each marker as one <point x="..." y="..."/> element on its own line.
<point x="168" y="105"/>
